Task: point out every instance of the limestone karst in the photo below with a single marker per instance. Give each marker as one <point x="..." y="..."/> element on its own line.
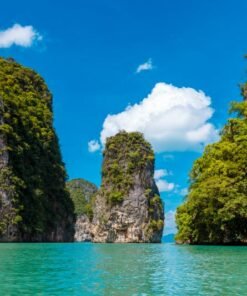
<point x="82" y="194"/>
<point x="128" y="207"/>
<point x="34" y="203"/>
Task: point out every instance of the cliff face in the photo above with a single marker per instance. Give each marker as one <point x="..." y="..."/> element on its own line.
<point x="34" y="203"/>
<point x="128" y="207"/>
<point x="7" y="229"/>
<point x="82" y="194"/>
<point x="83" y="229"/>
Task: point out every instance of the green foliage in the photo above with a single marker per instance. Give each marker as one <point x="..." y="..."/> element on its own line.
<point x="82" y="194"/>
<point x="156" y="225"/>
<point x="148" y="191"/>
<point x="36" y="170"/>
<point x="156" y="202"/>
<point x="215" y="210"/>
<point x="115" y="197"/>
<point x="125" y="155"/>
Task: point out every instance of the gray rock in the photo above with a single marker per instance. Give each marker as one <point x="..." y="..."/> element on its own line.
<point x="83" y="229"/>
<point x="139" y="216"/>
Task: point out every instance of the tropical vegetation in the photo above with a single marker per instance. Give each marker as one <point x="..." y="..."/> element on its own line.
<point x="215" y="209"/>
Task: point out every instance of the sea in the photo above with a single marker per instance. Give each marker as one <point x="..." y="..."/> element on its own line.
<point x="122" y="269"/>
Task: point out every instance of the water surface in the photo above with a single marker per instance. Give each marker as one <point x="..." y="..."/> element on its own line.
<point x="127" y="269"/>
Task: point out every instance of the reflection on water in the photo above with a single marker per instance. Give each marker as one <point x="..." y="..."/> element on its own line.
<point x="115" y="269"/>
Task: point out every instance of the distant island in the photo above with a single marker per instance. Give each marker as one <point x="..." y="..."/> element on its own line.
<point x="169" y="238"/>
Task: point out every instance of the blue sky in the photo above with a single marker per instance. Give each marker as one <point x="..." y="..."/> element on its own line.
<point x="89" y="52"/>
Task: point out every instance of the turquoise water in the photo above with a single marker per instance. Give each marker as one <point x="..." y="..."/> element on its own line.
<point x="115" y="269"/>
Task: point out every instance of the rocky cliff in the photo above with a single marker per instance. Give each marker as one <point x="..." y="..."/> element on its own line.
<point x="34" y="203"/>
<point x="8" y="230"/>
<point x="82" y="194"/>
<point x="128" y="207"/>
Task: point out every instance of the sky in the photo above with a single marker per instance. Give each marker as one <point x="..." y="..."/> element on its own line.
<point x="168" y="69"/>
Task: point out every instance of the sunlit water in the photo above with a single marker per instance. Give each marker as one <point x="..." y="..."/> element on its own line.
<point x="115" y="269"/>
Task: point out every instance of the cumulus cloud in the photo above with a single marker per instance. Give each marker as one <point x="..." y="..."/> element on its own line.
<point x="93" y="146"/>
<point x="170" y="224"/>
<point x="171" y="119"/>
<point x="19" y="35"/>
<point x="180" y="191"/>
<point x="184" y="191"/>
<point x="148" y="65"/>
<point x="162" y="184"/>
<point x="160" y="173"/>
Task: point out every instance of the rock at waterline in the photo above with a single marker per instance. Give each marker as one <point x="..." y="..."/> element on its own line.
<point x="128" y="207"/>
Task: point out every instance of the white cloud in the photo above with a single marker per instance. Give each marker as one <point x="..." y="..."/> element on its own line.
<point x="180" y="191"/>
<point x="160" y="173"/>
<point x="148" y="65"/>
<point x="170" y="224"/>
<point x="164" y="186"/>
<point x="19" y="35"/>
<point x="93" y="146"/>
<point x="184" y="191"/>
<point x="171" y="119"/>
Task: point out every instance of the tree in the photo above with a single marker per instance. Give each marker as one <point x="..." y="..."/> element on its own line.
<point x="215" y="209"/>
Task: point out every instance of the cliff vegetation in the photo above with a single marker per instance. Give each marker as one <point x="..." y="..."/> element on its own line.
<point x="82" y="194"/>
<point x="215" y="210"/>
<point x="128" y="207"/>
<point x="32" y="181"/>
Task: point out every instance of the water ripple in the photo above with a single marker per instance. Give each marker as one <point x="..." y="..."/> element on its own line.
<point x="115" y="269"/>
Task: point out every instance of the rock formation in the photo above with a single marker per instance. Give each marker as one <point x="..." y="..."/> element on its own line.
<point x="82" y="193"/>
<point x="128" y="208"/>
<point x="83" y="229"/>
<point x="8" y="230"/>
<point x="34" y="203"/>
